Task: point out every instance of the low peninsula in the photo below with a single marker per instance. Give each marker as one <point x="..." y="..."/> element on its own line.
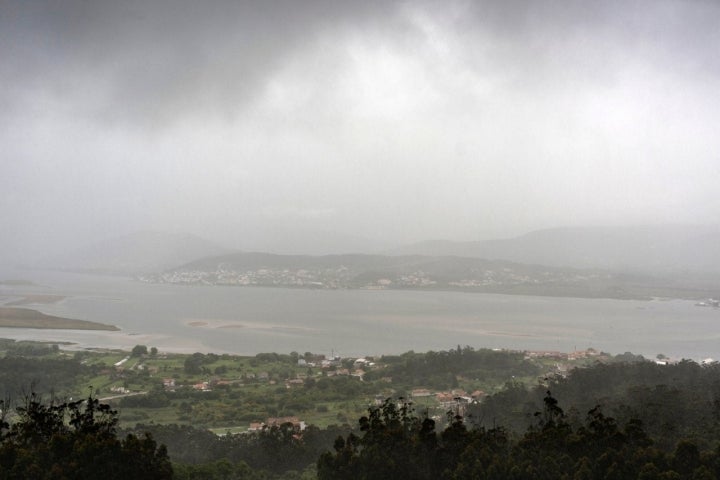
<point x="27" y="318"/>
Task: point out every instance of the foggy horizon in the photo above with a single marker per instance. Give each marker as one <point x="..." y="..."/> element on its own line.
<point x="385" y="122"/>
<point x="310" y="243"/>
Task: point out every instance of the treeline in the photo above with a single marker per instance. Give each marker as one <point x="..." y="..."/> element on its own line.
<point x="20" y="375"/>
<point x="395" y="443"/>
<point x="673" y="401"/>
<point x="12" y="347"/>
<point x="80" y="440"/>
<point x="625" y="420"/>
<point x="278" y="451"/>
<point x="440" y="370"/>
<point x="635" y="420"/>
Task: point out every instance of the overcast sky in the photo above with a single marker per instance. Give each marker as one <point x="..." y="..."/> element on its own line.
<point x="393" y="121"/>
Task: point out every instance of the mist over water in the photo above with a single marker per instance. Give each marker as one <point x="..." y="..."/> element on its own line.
<point x="356" y="322"/>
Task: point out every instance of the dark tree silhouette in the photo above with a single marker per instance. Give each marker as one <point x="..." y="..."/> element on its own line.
<point x="75" y="440"/>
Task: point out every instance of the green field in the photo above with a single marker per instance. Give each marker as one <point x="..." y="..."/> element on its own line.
<point x="227" y="392"/>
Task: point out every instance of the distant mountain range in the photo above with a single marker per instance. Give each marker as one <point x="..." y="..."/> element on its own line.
<point x="378" y="272"/>
<point x="592" y="262"/>
<point x="646" y="249"/>
<point x="420" y="272"/>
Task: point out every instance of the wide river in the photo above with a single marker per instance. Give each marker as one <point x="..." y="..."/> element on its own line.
<point x="249" y="320"/>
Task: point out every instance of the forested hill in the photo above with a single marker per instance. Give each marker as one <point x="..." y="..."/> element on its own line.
<point x="620" y="417"/>
<point x="624" y="420"/>
<point x="426" y="273"/>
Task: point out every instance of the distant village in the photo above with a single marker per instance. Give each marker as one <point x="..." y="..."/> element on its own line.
<point x="344" y="278"/>
<point x="313" y="366"/>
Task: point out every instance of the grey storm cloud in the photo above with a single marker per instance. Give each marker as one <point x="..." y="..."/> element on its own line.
<point x="397" y="121"/>
<point x="140" y="61"/>
<point x="154" y="61"/>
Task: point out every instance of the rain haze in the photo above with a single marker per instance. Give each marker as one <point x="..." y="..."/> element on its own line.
<point x="452" y="207"/>
<point x="252" y="124"/>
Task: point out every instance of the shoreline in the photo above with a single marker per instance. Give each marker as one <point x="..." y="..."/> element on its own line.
<point x="12" y="317"/>
<point x="35" y="299"/>
<point x="180" y="319"/>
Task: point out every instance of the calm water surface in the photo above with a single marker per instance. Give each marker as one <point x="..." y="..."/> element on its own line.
<point x="356" y="322"/>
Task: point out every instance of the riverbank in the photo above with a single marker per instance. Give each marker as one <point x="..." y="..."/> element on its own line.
<point x="36" y="299"/>
<point x="359" y="322"/>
